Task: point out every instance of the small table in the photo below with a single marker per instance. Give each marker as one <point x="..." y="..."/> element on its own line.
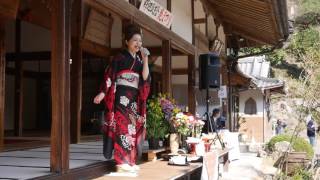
<point x="224" y="158"/>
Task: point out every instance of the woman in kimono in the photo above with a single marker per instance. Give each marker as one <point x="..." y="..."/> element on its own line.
<point x="125" y="90"/>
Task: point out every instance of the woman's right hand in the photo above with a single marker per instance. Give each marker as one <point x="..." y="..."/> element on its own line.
<point x="98" y="98"/>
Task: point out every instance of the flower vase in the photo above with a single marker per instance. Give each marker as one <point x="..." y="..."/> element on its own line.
<point x="174" y="143"/>
<point x="183" y="143"/>
<point x="198" y="131"/>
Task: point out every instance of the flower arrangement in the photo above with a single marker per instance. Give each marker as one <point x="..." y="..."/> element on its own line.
<point x="181" y="123"/>
<point x="168" y="106"/>
<point x="186" y="123"/>
<point x="177" y="120"/>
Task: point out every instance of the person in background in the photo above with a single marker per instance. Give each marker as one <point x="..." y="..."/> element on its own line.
<point x="279" y="127"/>
<point x="221" y="121"/>
<point x="311" y="130"/>
<point x="209" y="127"/>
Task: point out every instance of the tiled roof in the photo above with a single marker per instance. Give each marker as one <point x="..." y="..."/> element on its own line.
<point x="257" y="69"/>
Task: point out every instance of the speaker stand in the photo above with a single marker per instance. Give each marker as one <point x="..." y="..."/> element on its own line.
<point x="211" y="125"/>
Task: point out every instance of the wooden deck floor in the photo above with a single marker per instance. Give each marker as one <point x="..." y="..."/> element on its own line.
<point x="31" y="163"/>
<point x="158" y="170"/>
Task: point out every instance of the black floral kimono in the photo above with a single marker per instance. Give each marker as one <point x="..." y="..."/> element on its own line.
<point x="125" y="98"/>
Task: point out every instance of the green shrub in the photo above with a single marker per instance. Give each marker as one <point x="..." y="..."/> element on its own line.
<point x="302" y="174"/>
<point x="299" y="144"/>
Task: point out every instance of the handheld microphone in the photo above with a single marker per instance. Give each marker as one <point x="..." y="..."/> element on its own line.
<point x="145" y="51"/>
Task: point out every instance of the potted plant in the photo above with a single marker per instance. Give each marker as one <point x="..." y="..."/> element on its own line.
<point x="157" y="126"/>
<point x="170" y="109"/>
<point x="164" y="117"/>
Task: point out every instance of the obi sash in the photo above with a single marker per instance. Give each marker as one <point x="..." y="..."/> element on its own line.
<point x="128" y="78"/>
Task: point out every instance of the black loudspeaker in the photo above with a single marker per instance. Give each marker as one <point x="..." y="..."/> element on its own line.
<point x="209" y="71"/>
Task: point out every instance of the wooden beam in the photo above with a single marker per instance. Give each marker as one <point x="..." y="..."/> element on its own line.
<point x="191" y="84"/>
<point x="210" y="10"/>
<point x="8" y="9"/>
<point x="47" y="75"/>
<point x="38" y="13"/>
<point x="28" y="56"/>
<point x="76" y="74"/>
<point x="89" y="48"/>
<point x="180" y="71"/>
<point x="241" y="5"/>
<point x="202" y="41"/>
<point x="175" y="71"/>
<point x="2" y="82"/>
<point x="18" y="95"/>
<point x="29" y="74"/>
<point x="243" y="32"/>
<point x="249" y="36"/>
<point x="121" y="8"/>
<point x="102" y="51"/>
<point x="166" y="67"/>
<point x="255" y="19"/>
<point x="41" y="56"/>
<point x="200" y="21"/>
<point x="215" y="8"/>
<point x="273" y="18"/>
<point x="157" y="51"/>
<point x="244" y="21"/>
<point x="94" y="48"/>
<point x="60" y="85"/>
<point x="241" y="9"/>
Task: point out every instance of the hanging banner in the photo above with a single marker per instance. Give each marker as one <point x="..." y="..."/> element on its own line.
<point x="156" y="12"/>
<point x="222" y="93"/>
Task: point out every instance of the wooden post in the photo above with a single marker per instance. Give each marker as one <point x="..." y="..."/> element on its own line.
<point x="2" y="82"/>
<point x="166" y="67"/>
<point x="18" y="96"/>
<point x="206" y="25"/>
<point x="38" y="97"/>
<point x="76" y="74"/>
<point x="191" y="84"/>
<point x="169" y="8"/>
<point x="169" y="5"/>
<point x="60" y="85"/>
<point x="192" y="21"/>
<point x="191" y="69"/>
<point x="229" y="124"/>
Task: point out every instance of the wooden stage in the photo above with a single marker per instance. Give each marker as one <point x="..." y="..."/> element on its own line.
<point x="160" y="170"/>
<point x="32" y="163"/>
<point x="87" y="162"/>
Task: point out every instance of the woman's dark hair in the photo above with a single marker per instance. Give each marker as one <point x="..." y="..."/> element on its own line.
<point x="130" y="30"/>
